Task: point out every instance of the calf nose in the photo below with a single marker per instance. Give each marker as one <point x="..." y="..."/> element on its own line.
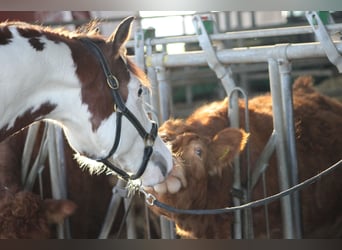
<point x="160" y="162"/>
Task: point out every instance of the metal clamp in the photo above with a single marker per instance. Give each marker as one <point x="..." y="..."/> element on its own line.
<point x="324" y="38"/>
<point x="223" y="73"/>
<point x="149" y="198"/>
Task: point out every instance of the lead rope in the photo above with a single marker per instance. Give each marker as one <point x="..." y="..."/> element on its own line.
<point x="151" y="200"/>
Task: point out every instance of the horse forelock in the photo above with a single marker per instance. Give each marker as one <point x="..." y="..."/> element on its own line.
<point x="138" y="73"/>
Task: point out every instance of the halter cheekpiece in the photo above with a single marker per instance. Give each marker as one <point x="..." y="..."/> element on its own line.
<point x="121" y="109"/>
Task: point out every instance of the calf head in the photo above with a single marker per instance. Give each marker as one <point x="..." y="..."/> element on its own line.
<point x="199" y="164"/>
<point x="24" y="215"/>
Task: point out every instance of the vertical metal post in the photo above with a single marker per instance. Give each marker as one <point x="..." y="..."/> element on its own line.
<point x="283" y="175"/>
<point x="226" y="76"/>
<point x="62" y="173"/>
<point x="112" y="209"/>
<point x="139" y="56"/>
<point x="167" y="228"/>
<point x="130" y="221"/>
<point x="287" y="101"/>
<point x="56" y="171"/>
<point x="151" y="72"/>
<point x="165" y="94"/>
<point x="234" y="123"/>
<point x="28" y="148"/>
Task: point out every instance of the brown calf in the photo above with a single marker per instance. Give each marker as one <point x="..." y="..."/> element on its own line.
<point x="204" y="147"/>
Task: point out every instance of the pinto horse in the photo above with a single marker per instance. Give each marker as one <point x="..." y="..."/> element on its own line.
<point x="75" y="79"/>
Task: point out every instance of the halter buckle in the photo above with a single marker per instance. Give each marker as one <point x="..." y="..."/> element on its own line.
<point x="112" y="82"/>
<point x="149" y="140"/>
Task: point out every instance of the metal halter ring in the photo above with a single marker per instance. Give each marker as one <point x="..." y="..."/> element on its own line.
<point x="112" y="81"/>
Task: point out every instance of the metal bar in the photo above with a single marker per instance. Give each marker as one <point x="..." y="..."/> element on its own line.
<point x="167" y="228"/>
<point x="241" y="55"/>
<point x="243" y="34"/>
<point x="225" y="75"/>
<point x="130" y="219"/>
<point x="165" y="94"/>
<point x="28" y="148"/>
<point x="61" y="168"/>
<point x="56" y="184"/>
<point x="262" y="162"/>
<point x="290" y="140"/>
<point x="165" y="101"/>
<point x="112" y="209"/>
<point x="286" y="210"/>
<point x="38" y="163"/>
<point x="151" y="73"/>
<point x="323" y="36"/>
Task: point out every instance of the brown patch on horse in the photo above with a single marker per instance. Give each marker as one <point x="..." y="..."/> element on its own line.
<point x="95" y="91"/>
<point x="36" y="44"/>
<point x="5" y="35"/>
<point x="26" y="119"/>
<point x="29" y="32"/>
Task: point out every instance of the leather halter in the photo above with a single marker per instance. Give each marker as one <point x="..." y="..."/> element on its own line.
<point x="121" y="109"/>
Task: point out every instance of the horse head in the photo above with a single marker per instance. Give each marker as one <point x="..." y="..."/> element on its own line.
<point x="89" y="86"/>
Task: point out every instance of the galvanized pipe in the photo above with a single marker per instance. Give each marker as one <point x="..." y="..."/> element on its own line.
<point x="165" y="94"/>
<point x="241" y="55"/>
<point x="28" y="148"/>
<point x="151" y="73"/>
<point x="244" y="34"/>
<point x="286" y="209"/>
<point x="56" y="172"/>
<point x="112" y="209"/>
<point x="290" y="140"/>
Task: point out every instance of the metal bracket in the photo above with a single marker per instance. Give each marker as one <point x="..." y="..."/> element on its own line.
<point x="223" y="73"/>
<point x="324" y="38"/>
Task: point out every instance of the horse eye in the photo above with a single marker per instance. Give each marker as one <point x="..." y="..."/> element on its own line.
<point x="140" y="91"/>
<point x="198" y="152"/>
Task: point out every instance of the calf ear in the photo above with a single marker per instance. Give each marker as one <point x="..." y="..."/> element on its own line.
<point x="57" y="210"/>
<point x="224" y="146"/>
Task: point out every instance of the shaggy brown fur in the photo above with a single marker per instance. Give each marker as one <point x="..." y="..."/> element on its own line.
<point x="203" y="165"/>
<point x="23" y="214"/>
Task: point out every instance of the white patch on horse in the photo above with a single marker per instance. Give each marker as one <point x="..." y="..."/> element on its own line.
<point x="30" y="78"/>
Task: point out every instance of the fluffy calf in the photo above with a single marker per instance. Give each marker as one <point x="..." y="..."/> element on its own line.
<point x="204" y="146"/>
<point x="24" y="214"/>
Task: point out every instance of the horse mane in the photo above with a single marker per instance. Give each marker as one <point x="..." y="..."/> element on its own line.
<point x="89" y="29"/>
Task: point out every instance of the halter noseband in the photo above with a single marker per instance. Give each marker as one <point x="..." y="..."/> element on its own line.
<point x="121" y="109"/>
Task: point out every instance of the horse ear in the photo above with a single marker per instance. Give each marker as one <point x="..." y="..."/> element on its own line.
<point x="225" y="145"/>
<point x="122" y="33"/>
<point x="57" y="210"/>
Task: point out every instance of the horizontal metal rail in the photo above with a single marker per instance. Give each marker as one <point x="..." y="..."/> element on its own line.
<point x="245" y="34"/>
<point x="242" y="55"/>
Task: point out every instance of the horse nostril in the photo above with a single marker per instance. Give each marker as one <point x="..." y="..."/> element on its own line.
<point x="160" y="162"/>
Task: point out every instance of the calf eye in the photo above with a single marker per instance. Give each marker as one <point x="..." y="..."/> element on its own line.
<point x="198" y="152"/>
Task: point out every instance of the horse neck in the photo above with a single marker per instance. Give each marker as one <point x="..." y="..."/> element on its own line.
<point x="35" y="84"/>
